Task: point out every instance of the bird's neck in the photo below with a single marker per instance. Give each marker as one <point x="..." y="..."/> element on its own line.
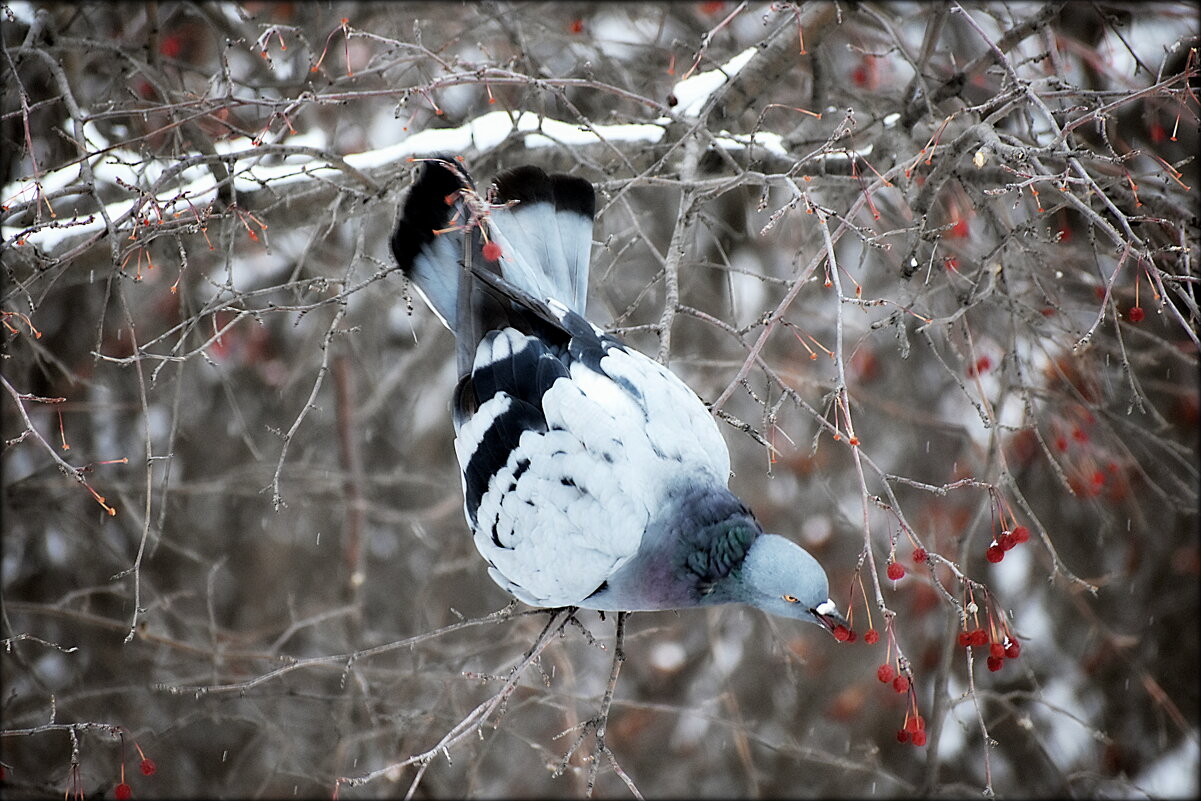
<point x="711" y="556"/>
<point x="692" y="553"/>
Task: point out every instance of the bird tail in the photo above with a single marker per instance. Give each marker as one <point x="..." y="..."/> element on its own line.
<point x="532" y="230"/>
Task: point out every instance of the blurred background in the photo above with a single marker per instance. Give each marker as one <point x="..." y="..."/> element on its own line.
<point x="934" y="267"/>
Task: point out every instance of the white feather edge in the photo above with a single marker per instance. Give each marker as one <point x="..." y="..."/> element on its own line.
<point x="677" y="421"/>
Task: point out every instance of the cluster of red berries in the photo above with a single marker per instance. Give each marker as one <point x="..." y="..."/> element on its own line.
<point x="998" y="651"/>
<point x="1006" y="542"/>
<point x="896" y="571"/>
<point x="844" y="634"/>
<point x="915" y="727"/>
<point x="914" y="731"/>
<point x="123" y="792"/>
<point x="886" y="675"/>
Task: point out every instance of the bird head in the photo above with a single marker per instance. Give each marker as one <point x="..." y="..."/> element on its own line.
<point x="781" y="577"/>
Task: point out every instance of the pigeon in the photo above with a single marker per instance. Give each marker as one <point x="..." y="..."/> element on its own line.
<point x="592" y="476"/>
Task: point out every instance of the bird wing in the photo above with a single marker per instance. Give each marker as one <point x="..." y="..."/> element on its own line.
<point x="567" y="446"/>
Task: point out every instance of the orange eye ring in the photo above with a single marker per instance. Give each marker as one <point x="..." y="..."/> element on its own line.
<point x="792" y="599"/>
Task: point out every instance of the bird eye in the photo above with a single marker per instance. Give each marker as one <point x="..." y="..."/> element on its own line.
<point x="792" y="599"/>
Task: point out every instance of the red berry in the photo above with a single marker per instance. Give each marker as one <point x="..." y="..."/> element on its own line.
<point x="122" y="792"/>
<point x="492" y="251"/>
<point x="915" y="723"/>
<point x="994" y="663"/>
<point x="997" y="650"/>
<point x="841" y="633"/>
<point x="919" y="555"/>
<point x="965" y="639"/>
<point x="148" y="767"/>
<point x="1021" y="534"/>
<point x="1006" y="541"/>
<point x="900" y="684"/>
<point x="994" y="554"/>
<point x="871" y="636"/>
<point x="895" y="571"/>
<point x="1013" y="650"/>
<point x="171" y="46"/>
<point x="902" y="736"/>
<point x="919" y="738"/>
<point x="1136" y="314"/>
<point x="884" y="673"/>
<point x="852" y="636"/>
<point x="979" y="637"/>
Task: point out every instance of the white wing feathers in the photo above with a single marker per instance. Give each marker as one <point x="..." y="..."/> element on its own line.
<point x="572" y="502"/>
<point x="677" y="423"/>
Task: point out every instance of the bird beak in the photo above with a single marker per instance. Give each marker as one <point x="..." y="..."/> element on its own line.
<point x="828" y="615"/>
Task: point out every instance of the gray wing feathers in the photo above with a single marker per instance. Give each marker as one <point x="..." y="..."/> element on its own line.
<point x="678" y="425"/>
